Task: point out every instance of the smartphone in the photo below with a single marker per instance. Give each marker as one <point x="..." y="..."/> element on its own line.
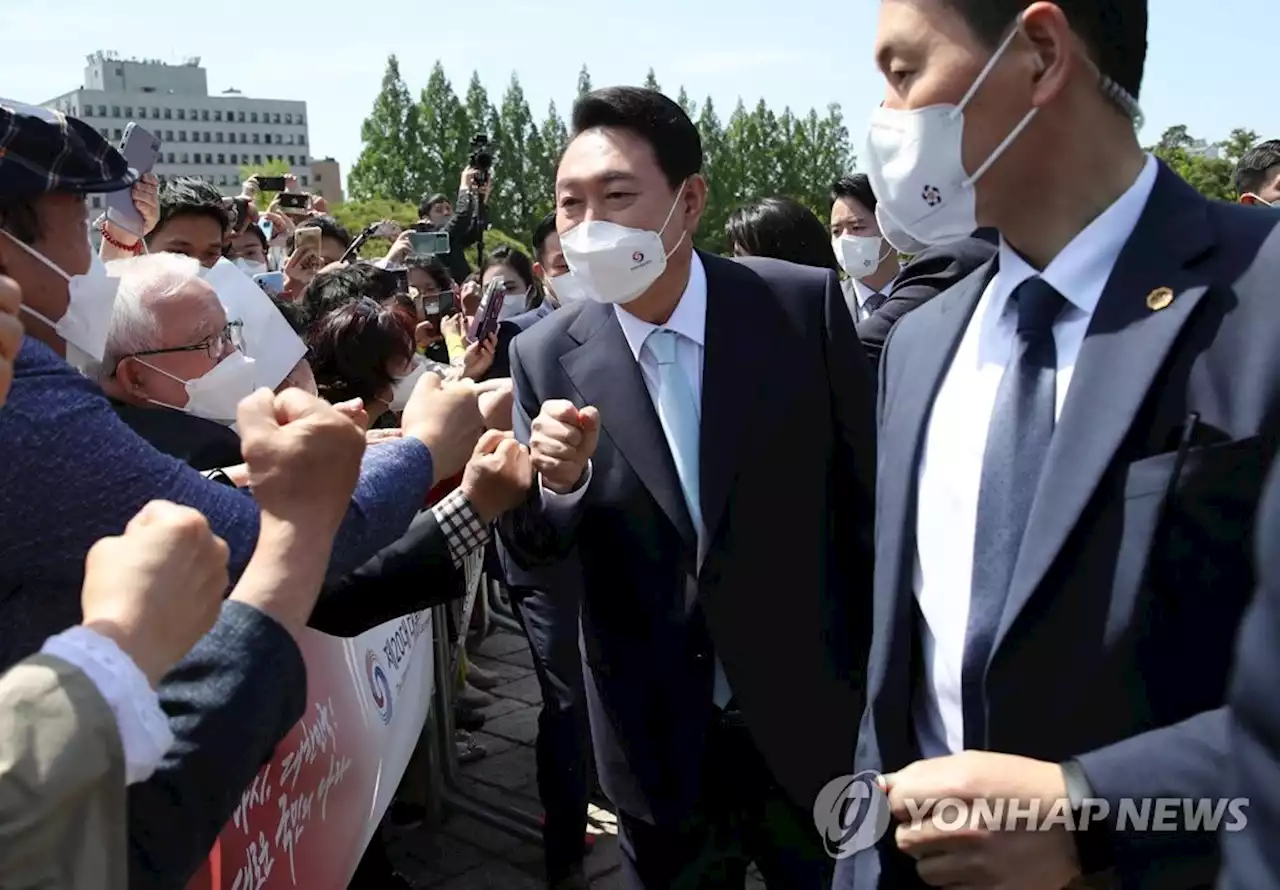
<point x="429" y="243"/>
<point x="271" y="183"/>
<point x="486" y="320"/>
<point x="294" y="201"/>
<point x="141" y="149"/>
<point x="306" y="238"/>
<point x="271" y="282"/>
<point x="436" y="306"/>
<point x="401" y="278"/>
<point x="268" y="230"/>
<point x="240" y="215"/>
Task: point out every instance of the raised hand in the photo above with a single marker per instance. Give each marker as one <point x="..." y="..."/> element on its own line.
<point x="498" y="476"/>
<point x="561" y="443"/>
<point x="447" y="419"/>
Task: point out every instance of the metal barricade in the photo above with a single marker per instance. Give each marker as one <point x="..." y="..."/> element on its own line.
<point x="453" y="793"/>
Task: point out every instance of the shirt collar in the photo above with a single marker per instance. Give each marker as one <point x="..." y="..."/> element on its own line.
<point x="688" y="320"/>
<point x="864" y="293"/>
<point x="1081" y="271"/>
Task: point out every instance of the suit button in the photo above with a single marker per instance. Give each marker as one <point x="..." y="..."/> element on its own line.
<point x="700" y="656"/>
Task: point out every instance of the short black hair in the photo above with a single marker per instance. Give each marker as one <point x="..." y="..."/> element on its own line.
<point x="545" y="229"/>
<point x="425" y="205"/>
<point x="651" y="116"/>
<point x="190" y="196"/>
<point x="784" y="229"/>
<point x="858" y="187"/>
<point x="336" y="288"/>
<point x="1252" y="169"/>
<point x="1115" y="31"/>
<point x="328" y="226"/>
<point x="432" y="265"/>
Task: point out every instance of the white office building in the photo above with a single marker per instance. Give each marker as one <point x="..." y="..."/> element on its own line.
<point x="210" y="136"/>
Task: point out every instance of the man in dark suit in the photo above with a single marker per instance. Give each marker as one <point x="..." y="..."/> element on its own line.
<point x="1079" y="433"/>
<point x="720" y="510"/>
<point x="1251" y="860"/>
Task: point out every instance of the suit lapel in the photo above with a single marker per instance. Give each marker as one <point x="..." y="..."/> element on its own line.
<point x="743" y="340"/>
<point x="605" y="371"/>
<point x="1126" y="346"/>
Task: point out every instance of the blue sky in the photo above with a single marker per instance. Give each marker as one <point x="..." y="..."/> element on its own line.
<point x="1201" y="71"/>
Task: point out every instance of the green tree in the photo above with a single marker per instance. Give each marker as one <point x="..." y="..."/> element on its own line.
<point x="651" y="81"/>
<point x="520" y="191"/>
<point x="1213" y="177"/>
<point x="444" y="134"/>
<point x="690" y="107"/>
<point x="720" y="169"/>
<point x="1239" y="143"/>
<point x="584" y="82"/>
<point x="390" y="165"/>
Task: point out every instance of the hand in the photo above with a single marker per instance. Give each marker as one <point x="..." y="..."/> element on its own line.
<point x="445" y="418"/>
<point x="158" y="588"/>
<point x="10" y="332"/>
<point x="974" y="854"/>
<point x="561" y="443"/>
<point x="468" y="179"/>
<point x="249" y="188"/>
<point x="146" y="200"/>
<point x="377" y="437"/>
<point x="497" y="402"/>
<point x="400" y="250"/>
<point x="302" y="266"/>
<point x="353" y="410"/>
<point x="319" y="205"/>
<point x="478" y="358"/>
<point x="303" y="457"/>
<point x="498" y="476"/>
<point x="451" y="325"/>
<point x="470" y="296"/>
<point x="281" y="226"/>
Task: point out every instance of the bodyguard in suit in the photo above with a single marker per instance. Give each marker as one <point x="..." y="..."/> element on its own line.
<point x="1075" y="438"/>
<point x="861" y="250"/>
<point x="1251" y="860"/>
<point x="720" y="510"/>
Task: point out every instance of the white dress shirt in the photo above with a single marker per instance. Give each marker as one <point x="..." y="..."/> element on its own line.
<point x="950" y="471"/>
<point x="144" y="729"/>
<point x="856" y="295"/>
<point x="689" y="320"/>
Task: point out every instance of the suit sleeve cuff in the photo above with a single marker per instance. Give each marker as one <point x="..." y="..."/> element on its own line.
<point x="562" y="501"/>
<point x="1092" y="834"/>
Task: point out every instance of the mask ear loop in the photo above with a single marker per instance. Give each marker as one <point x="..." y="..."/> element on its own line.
<point x="671" y="213"/>
<point x="1022" y="124"/>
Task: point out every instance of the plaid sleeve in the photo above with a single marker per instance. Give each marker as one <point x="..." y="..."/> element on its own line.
<point x="461" y="526"/>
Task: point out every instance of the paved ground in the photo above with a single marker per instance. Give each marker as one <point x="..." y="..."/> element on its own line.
<point x="470" y="855"/>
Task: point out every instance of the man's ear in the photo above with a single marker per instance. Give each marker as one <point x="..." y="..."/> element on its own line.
<point x="129" y="374"/>
<point x="538" y="271"/>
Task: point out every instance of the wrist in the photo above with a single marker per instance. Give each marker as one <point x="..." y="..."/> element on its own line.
<point x="566" y="489"/>
<point x="152" y="666"/>
<point x="119" y="238"/>
<point x="287" y="569"/>
<point x="485" y="511"/>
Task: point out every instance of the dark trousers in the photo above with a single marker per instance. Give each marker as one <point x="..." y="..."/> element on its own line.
<point x="563" y="746"/>
<point x="742" y="816"/>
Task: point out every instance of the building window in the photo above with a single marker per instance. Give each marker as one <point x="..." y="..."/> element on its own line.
<point x="95" y="202"/>
<point x="217" y="117"/>
<point x="118" y="135"/>
<point x="186" y="158"/>
<point x="257" y="159"/>
<point x="208" y="158"/>
<point x="168" y="114"/>
<point x="302" y="140"/>
<point x="168" y="135"/>
<point x="253" y="117"/>
<point x="255" y="138"/>
<point x="304" y="182"/>
<point x="182" y="135"/>
<point x="102" y="111"/>
<point x="182" y="114"/>
<point x="301" y="121"/>
<point x="115" y="110"/>
<point x="288" y="118"/>
<point x="275" y="118"/>
<point x="218" y="137"/>
<point x="155" y="114"/>
<point x="204" y="114"/>
<point x="142" y="114"/>
<point x="169" y="158"/>
<point x="244" y="137"/>
<point x="222" y="159"/>
<point x="222" y="180"/>
<point x="128" y="112"/>
<point x="240" y="116"/>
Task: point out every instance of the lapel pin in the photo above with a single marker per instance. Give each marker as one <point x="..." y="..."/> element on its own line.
<point x="1160" y="298"/>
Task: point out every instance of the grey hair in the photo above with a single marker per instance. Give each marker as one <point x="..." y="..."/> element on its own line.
<point x="144" y="280"/>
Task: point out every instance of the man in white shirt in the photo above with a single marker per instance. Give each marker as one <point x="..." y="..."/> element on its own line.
<point x="720" y="510"/>
<point x="1074" y="439"/>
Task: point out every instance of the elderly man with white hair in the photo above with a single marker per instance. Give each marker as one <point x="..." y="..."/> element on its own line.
<point x="172" y="366"/>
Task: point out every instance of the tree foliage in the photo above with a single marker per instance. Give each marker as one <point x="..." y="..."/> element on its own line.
<point x="413" y="148"/>
<point x="1210" y="169"/>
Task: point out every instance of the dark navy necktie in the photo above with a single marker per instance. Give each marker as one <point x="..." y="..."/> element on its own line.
<point x="873" y="303"/>
<point x="1017" y="446"/>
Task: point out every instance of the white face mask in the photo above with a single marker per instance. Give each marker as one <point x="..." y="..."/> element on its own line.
<point x="251" y="268"/>
<point x="215" y="395"/>
<point x="915" y="160"/>
<point x="514" y="305"/>
<point x="91" y="300"/>
<point x="616" y="264"/>
<point x="566" y="288"/>
<point x="858" y="255"/>
<point x="404" y="385"/>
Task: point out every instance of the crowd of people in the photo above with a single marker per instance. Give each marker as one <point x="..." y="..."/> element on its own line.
<point x="964" y="495"/>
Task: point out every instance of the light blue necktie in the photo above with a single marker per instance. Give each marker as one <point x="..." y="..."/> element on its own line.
<point x="679" y="416"/>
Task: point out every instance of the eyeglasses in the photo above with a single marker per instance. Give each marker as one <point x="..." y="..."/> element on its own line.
<point x="229" y="339"/>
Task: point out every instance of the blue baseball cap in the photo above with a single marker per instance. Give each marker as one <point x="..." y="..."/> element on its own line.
<point x="44" y="151"/>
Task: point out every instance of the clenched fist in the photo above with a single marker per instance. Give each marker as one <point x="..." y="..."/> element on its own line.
<point x="498" y="476"/>
<point x="158" y="588"/>
<point x="447" y="419"/>
<point x="303" y="456"/>
<point x="561" y="442"/>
